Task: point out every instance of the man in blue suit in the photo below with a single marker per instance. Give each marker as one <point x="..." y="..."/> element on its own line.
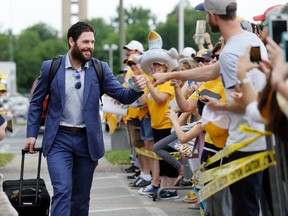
<point x="73" y="140"/>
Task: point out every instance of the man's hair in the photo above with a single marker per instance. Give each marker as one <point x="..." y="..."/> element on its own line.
<point x="77" y="29"/>
<point x="230" y="12"/>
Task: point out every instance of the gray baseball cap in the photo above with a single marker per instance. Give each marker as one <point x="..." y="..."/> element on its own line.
<point x="218" y="7"/>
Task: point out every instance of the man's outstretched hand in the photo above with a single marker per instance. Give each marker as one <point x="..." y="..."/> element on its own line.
<point x="159" y="78"/>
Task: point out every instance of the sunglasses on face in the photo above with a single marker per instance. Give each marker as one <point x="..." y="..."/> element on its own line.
<point x="215" y="56"/>
<point x="131" y="64"/>
<point x="77" y="76"/>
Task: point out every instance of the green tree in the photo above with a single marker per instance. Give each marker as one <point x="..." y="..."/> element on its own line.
<point x="138" y="23"/>
<point x="34" y="45"/>
<point x="105" y="34"/>
<point x="4" y="47"/>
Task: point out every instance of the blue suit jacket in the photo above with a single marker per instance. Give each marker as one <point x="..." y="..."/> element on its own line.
<point x="90" y="104"/>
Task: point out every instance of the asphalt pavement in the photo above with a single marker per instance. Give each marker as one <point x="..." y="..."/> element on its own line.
<point x="110" y="193"/>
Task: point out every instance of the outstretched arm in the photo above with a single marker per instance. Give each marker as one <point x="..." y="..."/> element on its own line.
<point x="204" y="73"/>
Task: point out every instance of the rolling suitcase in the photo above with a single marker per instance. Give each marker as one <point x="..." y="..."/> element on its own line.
<point x="29" y="196"/>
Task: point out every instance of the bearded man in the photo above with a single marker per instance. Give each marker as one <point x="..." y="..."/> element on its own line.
<point x="73" y="139"/>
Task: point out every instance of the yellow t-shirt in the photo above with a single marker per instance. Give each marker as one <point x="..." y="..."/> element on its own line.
<point x="215" y="86"/>
<point x="158" y="112"/>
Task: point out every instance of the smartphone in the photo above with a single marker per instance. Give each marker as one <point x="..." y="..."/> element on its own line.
<point x="206" y="92"/>
<point x="255" y="54"/>
<point x="284" y="42"/>
<point x="278" y="23"/>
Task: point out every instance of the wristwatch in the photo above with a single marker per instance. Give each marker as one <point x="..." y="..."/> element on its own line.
<point x="243" y="81"/>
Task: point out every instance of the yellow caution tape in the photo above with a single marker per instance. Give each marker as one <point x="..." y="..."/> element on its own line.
<point x="234" y="147"/>
<point x="232" y="172"/>
<point x="152" y="154"/>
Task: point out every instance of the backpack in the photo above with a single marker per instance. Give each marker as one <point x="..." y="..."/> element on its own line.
<point x="52" y="72"/>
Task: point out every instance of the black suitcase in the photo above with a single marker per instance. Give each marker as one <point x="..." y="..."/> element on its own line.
<point x="30" y="196"/>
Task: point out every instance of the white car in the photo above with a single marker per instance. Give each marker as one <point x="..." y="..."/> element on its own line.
<point x="18" y="106"/>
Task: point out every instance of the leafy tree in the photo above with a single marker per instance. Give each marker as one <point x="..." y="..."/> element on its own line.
<point x="105" y="34"/>
<point x="139" y="21"/>
<point x="44" y="31"/>
<point x="34" y="45"/>
<point x="4" y="47"/>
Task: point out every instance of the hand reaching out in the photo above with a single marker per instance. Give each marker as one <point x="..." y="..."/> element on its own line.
<point x="172" y="116"/>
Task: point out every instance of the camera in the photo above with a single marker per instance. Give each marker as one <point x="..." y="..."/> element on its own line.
<point x="255" y="54"/>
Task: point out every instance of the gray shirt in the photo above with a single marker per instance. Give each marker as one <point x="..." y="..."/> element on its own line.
<point x="72" y="115"/>
<point x="233" y="49"/>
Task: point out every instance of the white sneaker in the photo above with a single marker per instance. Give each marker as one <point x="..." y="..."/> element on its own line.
<point x="150" y="189"/>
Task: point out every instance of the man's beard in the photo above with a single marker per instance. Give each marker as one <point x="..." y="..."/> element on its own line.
<point x="213" y="27"/>
<point x="76" y="53"/>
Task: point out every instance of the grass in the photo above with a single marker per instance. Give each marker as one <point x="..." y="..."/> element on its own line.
<point x="5" y="158"/>
<point x="118" y="157"/>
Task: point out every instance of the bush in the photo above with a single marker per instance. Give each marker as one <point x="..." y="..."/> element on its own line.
<point x="5" y="158"/>
<point x="118" y="157"/>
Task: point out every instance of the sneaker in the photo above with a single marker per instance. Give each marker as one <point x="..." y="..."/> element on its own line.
<point x="134" y="176"/>
<point x="150" y="189"/>
<point x="141" y="183"/>
<point x="169" y="195"/>
<point x="151" y="195"/>
<point x="134" y="182"/>
<point x="130" y="169"/>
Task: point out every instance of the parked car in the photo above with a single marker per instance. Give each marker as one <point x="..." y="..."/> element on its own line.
<point x="18" y="106"/>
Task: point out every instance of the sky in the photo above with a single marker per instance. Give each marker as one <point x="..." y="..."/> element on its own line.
<point x="20" y="14"/>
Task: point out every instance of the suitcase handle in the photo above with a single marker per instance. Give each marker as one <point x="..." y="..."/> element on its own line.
<point x="25" y="151"/>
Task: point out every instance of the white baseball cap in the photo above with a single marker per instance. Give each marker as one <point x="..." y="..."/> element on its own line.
<point x="188" y="51"/>
<point x="134" y="45"/>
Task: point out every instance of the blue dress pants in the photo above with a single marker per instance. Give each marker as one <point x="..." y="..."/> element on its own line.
<point x="71" y="171"/>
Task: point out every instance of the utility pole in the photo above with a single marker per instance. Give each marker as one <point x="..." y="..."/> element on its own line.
<point x="122" y="41"/>
<point x="181" y="27"/>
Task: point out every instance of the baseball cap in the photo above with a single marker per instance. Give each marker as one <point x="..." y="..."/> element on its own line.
<point x="203" y="55"/>
<point x="262" y="17"/>
<point x="134" y="45"/>
<point x="218" y="7"/>
<point x="188" y="51"/>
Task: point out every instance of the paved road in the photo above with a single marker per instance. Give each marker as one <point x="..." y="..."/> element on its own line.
<point x="110" y="193"/>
